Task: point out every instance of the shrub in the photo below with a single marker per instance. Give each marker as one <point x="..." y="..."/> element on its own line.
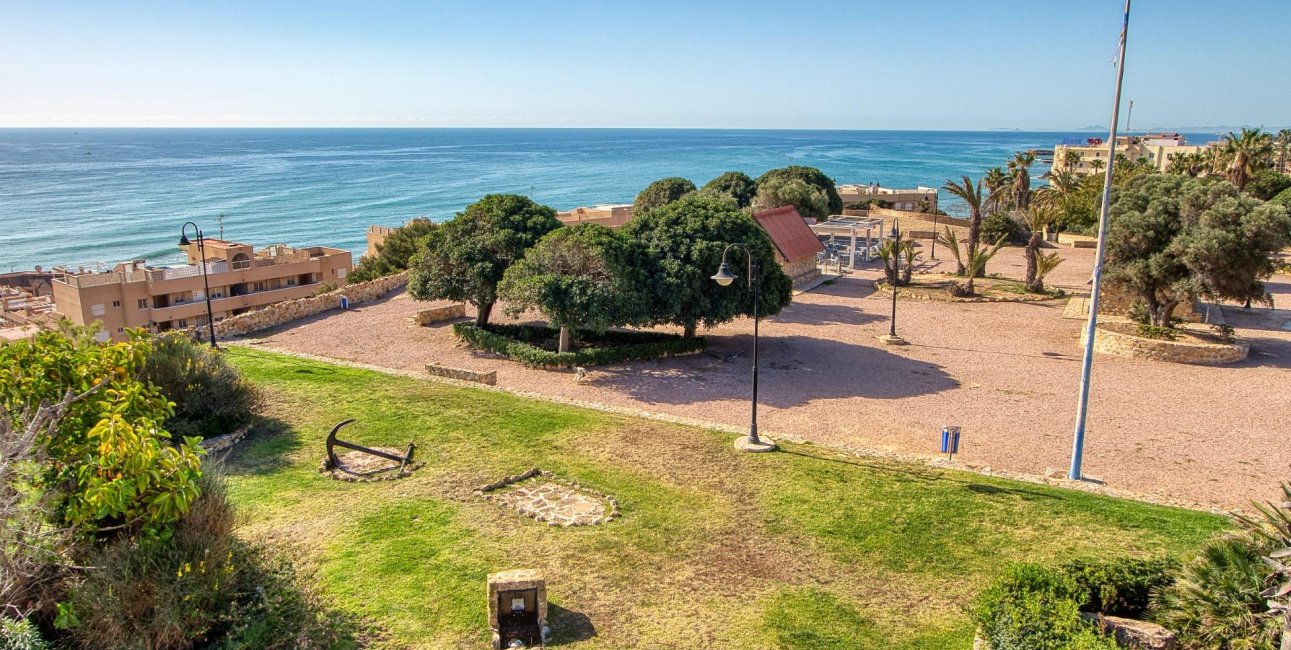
<point x="1035" y="608"/>
<point x="999" y="225"/>
<point x="1156" y="332"/>
<point x="20" y="635"/>
<point x="735" y="186"/>
<point x="1120" y="587"/>
<point x="810" y="201"/>
<point x="1215" y="600"/>
<point x="1267" y="184"/>
<point x="202" y="587"/>
<point x="533" y="345"/>
<point x="211" y="397"/>
<point x="810" y="176"/>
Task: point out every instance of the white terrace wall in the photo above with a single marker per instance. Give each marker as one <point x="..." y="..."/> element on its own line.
<point x="290" y="310"/>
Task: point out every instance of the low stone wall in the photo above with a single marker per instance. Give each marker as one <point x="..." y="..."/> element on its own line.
<point x="290" y="310"/>
<point x="1077" y="241"/>
<point x="489" y="378"/>
<point x="438" y="314"/>
<point x="1136" y="347"/>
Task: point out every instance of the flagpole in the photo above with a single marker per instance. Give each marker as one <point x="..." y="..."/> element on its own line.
<point x="1082" y="407"/>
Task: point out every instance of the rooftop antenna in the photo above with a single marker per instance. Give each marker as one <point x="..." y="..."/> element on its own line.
<point x="220" y="220"/>
<point x="1128" y="117"/>
<point x="1082" y="406"/>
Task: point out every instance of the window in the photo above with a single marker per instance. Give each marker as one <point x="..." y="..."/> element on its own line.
<point x="340" y="274"/>
<point x="275" y="283"/>
<point x="97" y="309"/>
<point x="102" y="336"/>
<point x="199" y="294"/>
<point x="257" y="286"/>
<point x="143" y="303"/>
<point x="120" y="330"/>
<point x="116" y="304"/>
<point x="183" y="322"/>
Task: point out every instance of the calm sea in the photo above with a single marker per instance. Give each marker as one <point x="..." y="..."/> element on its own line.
<point x="106" y="195"/>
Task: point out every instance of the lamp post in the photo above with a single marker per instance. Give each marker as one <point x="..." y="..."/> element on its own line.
<point x="891" y="337"/>
<point x="201" y="249"/>
<point x="724" y="277"/>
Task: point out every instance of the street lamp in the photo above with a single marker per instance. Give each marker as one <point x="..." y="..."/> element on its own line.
<point x="891" y="337"/>
<point x="724" y="277"/>
<point x="201" y="249"/>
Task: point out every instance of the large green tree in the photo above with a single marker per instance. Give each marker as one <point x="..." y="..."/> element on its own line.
<point x="1266" y="184"/>
<point x="580" y="276"/>
<point x="395" y="253"/>
<point x="684" y="243"/>
<point x="810" y="176"/>
<point x="810" y="201"/>
<point x="1172" y="239"/>
<point x="464" y="259"/>
<point x="661" y="193"/>
<point x="736" y="186"/>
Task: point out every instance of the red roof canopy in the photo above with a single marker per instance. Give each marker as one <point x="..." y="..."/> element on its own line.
<point x="792" y="237"/>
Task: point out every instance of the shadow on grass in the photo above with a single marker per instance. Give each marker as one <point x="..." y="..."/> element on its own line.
<point x="568" y="626"/>
<point x="266" y="449"/>
<point x="924" y="474"/>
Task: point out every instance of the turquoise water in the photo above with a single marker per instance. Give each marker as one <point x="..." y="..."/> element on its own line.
<point x="105" y="195"/>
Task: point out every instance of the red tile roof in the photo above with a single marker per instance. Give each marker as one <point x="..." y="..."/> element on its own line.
<point x="791" y="235"/>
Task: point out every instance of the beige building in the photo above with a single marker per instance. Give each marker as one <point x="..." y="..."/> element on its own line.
<point x="1157" y="148"/>
<point x="919" y="199"/>
<point x="612" y="216"/>
<point x="160" y="299"/>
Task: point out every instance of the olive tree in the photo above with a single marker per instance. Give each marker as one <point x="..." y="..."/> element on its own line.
<point x="683" y="248"/>
<point x="580" y="276"/>
<point x="1173" y="239"/>
<point x="464" y="259"/>
<point x="810" y="176"/>
<point x="661" y="193"/>
<point x="736" y="186"/>
<point x="810" y="201"/>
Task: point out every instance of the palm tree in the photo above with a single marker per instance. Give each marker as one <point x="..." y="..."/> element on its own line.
<point x="1246" y="154"/>
<point x="1036" y="220"/>
<point x="995" y="181"/>
<point x="1071" y="160"/>
<point x="1021" y="178"/>
<point x="1282" y="145"/>
<point x="1097" y="164"/>
<point x="971" y="195"/>
<point x="1189" y="164"/>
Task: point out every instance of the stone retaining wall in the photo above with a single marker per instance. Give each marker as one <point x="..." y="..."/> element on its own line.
<point x="906" y="215"/>
<point x="489" y="378"/>
<point x="1136" y="347"/>
<point x="437" y="314"/>
<point x="1077" y="241"/>
<point x="290" y="310"/>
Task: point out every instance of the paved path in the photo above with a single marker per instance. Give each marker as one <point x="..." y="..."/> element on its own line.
<point x="1006" y="372"/>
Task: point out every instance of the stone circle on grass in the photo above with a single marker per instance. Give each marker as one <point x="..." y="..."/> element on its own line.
<point x="358" y="467"/>
<point x="542" y="496"/>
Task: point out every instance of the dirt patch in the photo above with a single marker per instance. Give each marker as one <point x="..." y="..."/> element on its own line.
<point x="989" y="289"/>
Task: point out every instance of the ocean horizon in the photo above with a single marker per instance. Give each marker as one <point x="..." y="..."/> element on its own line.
<point x="87" y="196"/>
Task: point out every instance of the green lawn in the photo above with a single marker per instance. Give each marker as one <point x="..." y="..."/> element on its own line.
<point x="799" y="549"/>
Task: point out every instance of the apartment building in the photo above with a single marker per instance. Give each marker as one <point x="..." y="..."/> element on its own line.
<point x="1157" y="148"/>
<point x="161" y="299"/>
<point x="919" y="199"/>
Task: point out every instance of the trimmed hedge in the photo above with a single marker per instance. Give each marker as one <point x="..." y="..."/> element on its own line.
<point x="532" y="345"/>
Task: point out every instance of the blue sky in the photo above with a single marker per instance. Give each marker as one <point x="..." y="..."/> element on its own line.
<point x="914" y="64"/>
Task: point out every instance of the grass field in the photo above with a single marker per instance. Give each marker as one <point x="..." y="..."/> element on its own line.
<point x="804" y="548"/>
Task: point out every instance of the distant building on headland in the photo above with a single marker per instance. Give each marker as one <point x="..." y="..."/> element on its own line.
<point x="161" y="299"/>
<point x="1157" y="148"/>
<point x="795" y="244"/>
<point x="610" y="215"/>
<point x="919" y="199"/>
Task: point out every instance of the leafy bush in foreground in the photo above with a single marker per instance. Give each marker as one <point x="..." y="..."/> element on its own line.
<point x="1035" y="608"/>
<point x="529" y="344"/>
<point x="1215" y="601"/>
<point x="1119" y="587"/>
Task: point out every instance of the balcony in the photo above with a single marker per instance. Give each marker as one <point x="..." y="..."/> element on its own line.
<point x="230" y="303"/>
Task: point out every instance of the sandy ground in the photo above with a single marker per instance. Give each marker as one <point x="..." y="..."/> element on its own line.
<point x="1008" y="373"/>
